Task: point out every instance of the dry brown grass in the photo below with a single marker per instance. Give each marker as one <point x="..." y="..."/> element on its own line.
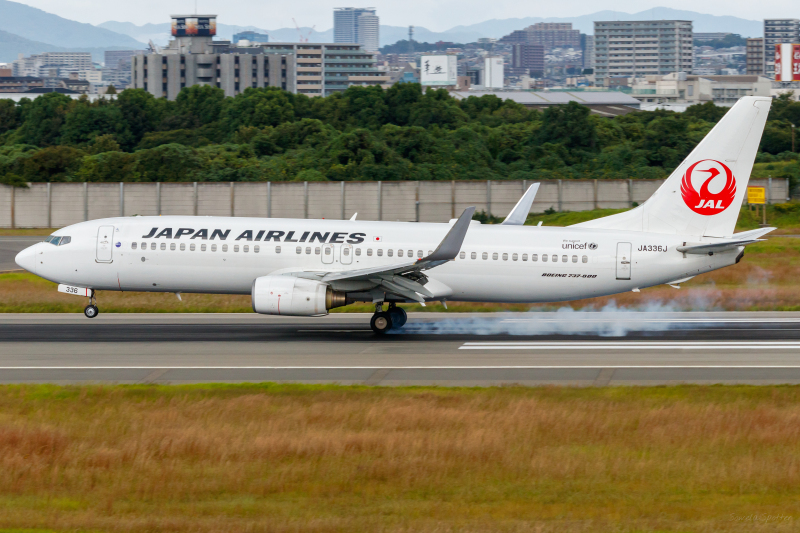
<point x="295" y="458"/>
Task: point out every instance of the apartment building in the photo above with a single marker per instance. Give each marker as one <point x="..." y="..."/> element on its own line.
<point x="547" y="34"/>
<point x="642" y="48"/>
<point x="754" y="59"/>
<point x="529" y="59"/>
<point x="41" y="65"/>
<point x="777" y="31"/>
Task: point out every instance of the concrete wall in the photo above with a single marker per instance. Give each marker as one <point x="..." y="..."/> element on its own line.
<point x="425" y="201"/>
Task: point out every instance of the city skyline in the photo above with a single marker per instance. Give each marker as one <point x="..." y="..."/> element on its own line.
<point x="439" y="16"/>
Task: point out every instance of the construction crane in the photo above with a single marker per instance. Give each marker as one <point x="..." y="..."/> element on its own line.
<point x="303" y="38"/>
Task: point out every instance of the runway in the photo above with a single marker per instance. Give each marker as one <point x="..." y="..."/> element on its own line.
<point x="11" y="246"/>
<point x="576" y="349"/>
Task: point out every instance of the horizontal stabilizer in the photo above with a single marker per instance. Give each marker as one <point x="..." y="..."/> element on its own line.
<point x="519" y="214"/>
<point x="739" y="239"/>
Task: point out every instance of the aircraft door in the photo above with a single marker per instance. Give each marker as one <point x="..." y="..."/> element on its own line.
<point x="347" y="254"/>
<point x="105" y="244"/>
<point x="624" y="250"/>
<point x="327" y="253"/>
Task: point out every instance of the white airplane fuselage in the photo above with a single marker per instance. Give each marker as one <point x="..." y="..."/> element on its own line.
<point x="496" y="263"/>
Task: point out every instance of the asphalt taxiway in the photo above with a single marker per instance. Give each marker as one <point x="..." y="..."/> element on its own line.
<point x="581" y="349"/>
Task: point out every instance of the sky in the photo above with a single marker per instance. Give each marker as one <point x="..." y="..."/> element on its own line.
<point x="436" y="15"/>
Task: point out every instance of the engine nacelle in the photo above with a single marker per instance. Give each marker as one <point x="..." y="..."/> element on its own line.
<point x="288" y="295"/>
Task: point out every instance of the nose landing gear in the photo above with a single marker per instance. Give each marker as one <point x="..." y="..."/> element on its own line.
<point x="382" y="321"/>
<point x="91" y="310"/>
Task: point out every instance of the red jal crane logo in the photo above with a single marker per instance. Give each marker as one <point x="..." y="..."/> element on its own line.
<point x="706" y="202"/>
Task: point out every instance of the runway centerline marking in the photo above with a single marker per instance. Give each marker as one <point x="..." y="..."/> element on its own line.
<point x="438" y="367"/>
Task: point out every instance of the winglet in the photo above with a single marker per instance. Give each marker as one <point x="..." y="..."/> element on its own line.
<point x="519" y="214"/>
<point x="451" y="244"/>
<point x="354" y="216"/>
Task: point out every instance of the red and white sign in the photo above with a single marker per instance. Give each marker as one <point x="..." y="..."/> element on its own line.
<point x="708" y="187"/>
<point x="787" y="62"/>
<point x="377" y="239"/>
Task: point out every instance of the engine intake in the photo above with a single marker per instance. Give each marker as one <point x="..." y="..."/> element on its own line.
<point x="288" y="295"/>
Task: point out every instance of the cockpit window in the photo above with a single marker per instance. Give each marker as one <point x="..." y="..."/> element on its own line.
<point x="56" y="240"/>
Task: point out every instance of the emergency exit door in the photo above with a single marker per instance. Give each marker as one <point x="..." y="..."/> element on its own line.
<point x="624" y="250"/>
<point x="105" y="244"/>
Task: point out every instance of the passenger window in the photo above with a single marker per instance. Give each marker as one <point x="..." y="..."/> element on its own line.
<point x="235" y="247"/>
<point x="224" y="247"/>
<point x="358" y="251"/>
<point x="183" y="247"/>
<point x="245" y="248"/>
<point x="213" y="247"/>
<point x="152" y="246"/>
<point x="299" y="250"/>
<point x="494" y="256"/>
<point x="277" y="249"/>
<point x="514" y="257"/>
<point x="574" y="258"/>
<point x="172" y="246"/>
<point x="419" y="254"/>
<point x="369" y="251"/>
<point x="163" y="246"/>
<point x="380" y="252"/>
<point x="308" y="250"/>
<point x="473" y="255"/>
<point x="524" y="257"/>
<point x="389" y="252"/>
<point x="328" y="250"/>
<point x="564" y="258"/>
<point x="133" y="246"/>
<point x="411" y="253"/>
<point x="144" y="246"/>
<point x="585" y="259"/>
<point x="505" y="257"/>
<point x="485" y="255"/>
<point x="400" y="253"/>
<point x="346" y="251"/>
<point x="555" y="258"/>
<point x="544" y="258"/>
<point x="256" y="249"/>
<point x="430" y="252"/>
<point x="202" y="247"/>
<point x="192" y="247"/>
<point x="462" y="255"/>
<point x="65" y="240"/>
<point x="316" y="250"/>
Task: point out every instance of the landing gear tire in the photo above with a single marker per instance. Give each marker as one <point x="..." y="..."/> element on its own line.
<point x="399" y="316"/>
<point x="381" y="322"/>
<point x="91" y="311"/>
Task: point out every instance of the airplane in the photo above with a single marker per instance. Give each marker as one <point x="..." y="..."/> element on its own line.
<point x="301" y="267"/>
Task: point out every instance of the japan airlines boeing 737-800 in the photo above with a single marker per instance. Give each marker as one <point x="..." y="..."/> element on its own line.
<point x="306" y="267"/>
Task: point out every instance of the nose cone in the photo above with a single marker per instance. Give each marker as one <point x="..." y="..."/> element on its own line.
<point x="27" y="259"/>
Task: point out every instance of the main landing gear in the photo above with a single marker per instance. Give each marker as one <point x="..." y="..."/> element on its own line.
<point x="382" y="321"/>
<point x="91" y="310"/>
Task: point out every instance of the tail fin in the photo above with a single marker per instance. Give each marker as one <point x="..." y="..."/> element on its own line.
<point x="703" y="195"/>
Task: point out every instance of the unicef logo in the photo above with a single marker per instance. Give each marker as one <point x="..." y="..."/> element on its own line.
<point x="593" y="246"/>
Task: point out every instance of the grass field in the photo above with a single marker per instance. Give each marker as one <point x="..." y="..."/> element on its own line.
<point x="278" y="458"/>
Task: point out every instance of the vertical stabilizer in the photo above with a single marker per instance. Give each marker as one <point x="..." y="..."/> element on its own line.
<point x="704" y="194"/>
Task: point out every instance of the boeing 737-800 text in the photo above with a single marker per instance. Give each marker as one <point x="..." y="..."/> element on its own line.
<point x="307" y="267"/>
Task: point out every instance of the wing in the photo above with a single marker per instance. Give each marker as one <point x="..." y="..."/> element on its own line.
<point x="404" y="279"/>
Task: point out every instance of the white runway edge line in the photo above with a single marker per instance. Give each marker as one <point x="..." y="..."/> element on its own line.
<point x="437" y="367"/>
<point x="646" y="345"/>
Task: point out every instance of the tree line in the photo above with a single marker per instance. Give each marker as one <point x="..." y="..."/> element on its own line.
<point x="363" y="133"/>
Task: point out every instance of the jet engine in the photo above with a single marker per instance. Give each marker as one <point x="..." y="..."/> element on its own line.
<point x="288" y="295"/>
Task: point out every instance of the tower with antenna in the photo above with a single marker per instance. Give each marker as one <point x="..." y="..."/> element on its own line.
<point x="410" y="41"/>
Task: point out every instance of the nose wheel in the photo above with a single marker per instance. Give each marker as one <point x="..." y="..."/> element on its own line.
<point x="91" y="310"/>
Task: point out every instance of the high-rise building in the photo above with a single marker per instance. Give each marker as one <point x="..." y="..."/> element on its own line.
<point x="777" y="31"/>
<point x="587" y="50"/>
<point x="754" y="60"/>
<point x="529" y="57"/>
<point x="357" y="25"/>
<point x="641" y="48"/>
<point x="194" y="58"/>
<point x="119" y="59"/>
